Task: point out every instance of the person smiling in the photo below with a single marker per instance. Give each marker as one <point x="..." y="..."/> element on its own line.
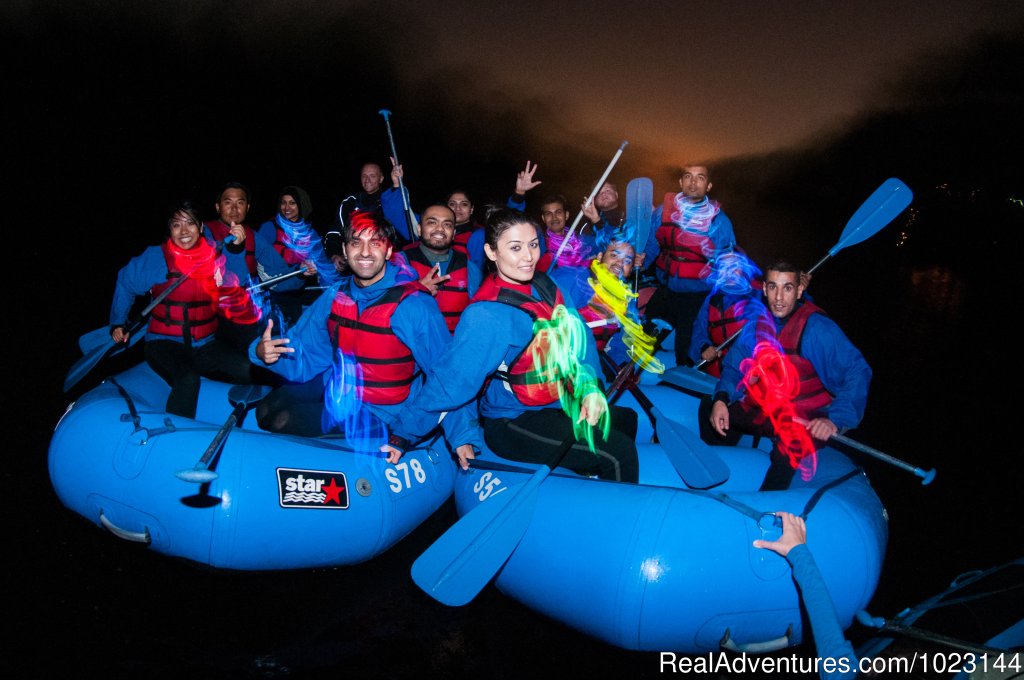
<point x="181" y="342"/>
<point x="379" y="324"/>
<point x="494" y="348"/>
<point x="834" y="376"/>
<point x="693" y="231"/>
<point x="444" y="271"/>
<point x="293" y="237"/>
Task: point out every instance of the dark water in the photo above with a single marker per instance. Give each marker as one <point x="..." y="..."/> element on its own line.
<point x="95" y="604"/>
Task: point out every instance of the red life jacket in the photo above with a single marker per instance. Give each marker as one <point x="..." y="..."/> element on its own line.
<point x="595" y="310"/>
<point x="453" y="295"/>
<point x="722" y="323"/>
<point x="682" y="252"/>
<point x="529" y="387"/>
<point x="812" y="399"/>
<point x="387" y="364"/>
<point x="462" y="234"/>
<point x="190" y="310"/>
<point x="219" y="231"/>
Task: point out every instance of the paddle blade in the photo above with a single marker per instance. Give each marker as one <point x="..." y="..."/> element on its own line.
<point x="93" y="339"/>
<point x="466" y="557"/>
<point x="880" y="208"/>
<point x="690" y="379"/>
<point x="639" y="207"/>
<point x="84" y="366"/>
<point x="196" y="475"/>
<point x="697" y="463"/>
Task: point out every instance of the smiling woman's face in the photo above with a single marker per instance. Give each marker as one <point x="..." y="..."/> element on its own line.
<point x="516" y="254"/>
<point x="184" y="231"/>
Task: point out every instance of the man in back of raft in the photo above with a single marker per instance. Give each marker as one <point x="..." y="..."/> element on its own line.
<point x="833" y="375"/>
<point x="378" y="328"/>
<point x="693" y="231"/>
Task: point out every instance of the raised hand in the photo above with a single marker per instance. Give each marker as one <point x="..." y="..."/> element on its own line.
<point x="396" y="173"/>
<point x="270" y="349"/>
<point x="524" y="179"/>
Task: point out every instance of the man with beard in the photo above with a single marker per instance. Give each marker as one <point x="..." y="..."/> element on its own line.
<point x="377" y="329"/>
<point x="693" y="232"/>
<point x="591" y="301"/>
<point x="832" y="373"/>
<point x="444" y="271"/>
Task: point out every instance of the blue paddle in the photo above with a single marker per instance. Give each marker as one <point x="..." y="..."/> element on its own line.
<point x="696" y="462"/>
<point x="414" y="227"/>
<point x="927" y="476"/>
<point x="100" y="351"/>
<point x="457" y="566"/>
<point x="875" y="213"/>
<point x="242" y="397"/>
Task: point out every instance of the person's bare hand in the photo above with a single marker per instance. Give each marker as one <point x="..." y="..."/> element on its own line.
<point x="524" y="180"/>
<point x="794" y="533"/>
<point x="270" y="349"/>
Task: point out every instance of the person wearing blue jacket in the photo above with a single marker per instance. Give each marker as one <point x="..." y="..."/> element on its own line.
<point x="494" y="348"/>
<point x="181" y="339"/>
<point x="378" y="328"/>
<point x="248" y="259"/>
<point x="297" y="242"/>
<point x="369" y="199"/>
<point x="616" y="256"/>
<point x="833" y="375"/>
<point x="839" y="661"/>
<point x="690" y="230"/>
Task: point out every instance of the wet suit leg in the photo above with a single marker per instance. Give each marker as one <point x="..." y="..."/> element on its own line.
<point x="741" y="422"/>
<point x="294" y="409"/>
<point x="175" y="363"/>
<point x="680" y="310"/>
<point x="535" y="436"/>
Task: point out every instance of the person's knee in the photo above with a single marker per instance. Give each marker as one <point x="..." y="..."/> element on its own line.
<point x="271" y="419"/>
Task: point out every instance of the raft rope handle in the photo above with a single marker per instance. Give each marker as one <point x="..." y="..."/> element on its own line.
<point x="133" y="415"/>
<point x="131" y="404"/>
<point x="813" y="500"/>
<point x="753" y="513"/>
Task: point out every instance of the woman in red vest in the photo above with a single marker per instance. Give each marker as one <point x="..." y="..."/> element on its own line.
<point x="505" y="344"/>
<point x="180" y="341"/>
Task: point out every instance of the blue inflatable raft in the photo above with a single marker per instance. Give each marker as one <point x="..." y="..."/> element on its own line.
<point x="278" y="502"/>
<point x="658" y="566"/>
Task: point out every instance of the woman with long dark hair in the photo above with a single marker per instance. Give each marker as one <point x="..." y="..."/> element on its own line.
<point x="536" y="363"/>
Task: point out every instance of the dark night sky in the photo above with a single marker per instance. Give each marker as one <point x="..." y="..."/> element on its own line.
<point x="180" y="96"/>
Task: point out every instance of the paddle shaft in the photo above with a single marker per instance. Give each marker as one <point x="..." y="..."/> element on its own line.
<point x="277" y="279"/>
<point x="926" y="476"/>
<point x="222" y="433"/>
<point x="413" y="227"/>
<point x="590" y="199"/>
